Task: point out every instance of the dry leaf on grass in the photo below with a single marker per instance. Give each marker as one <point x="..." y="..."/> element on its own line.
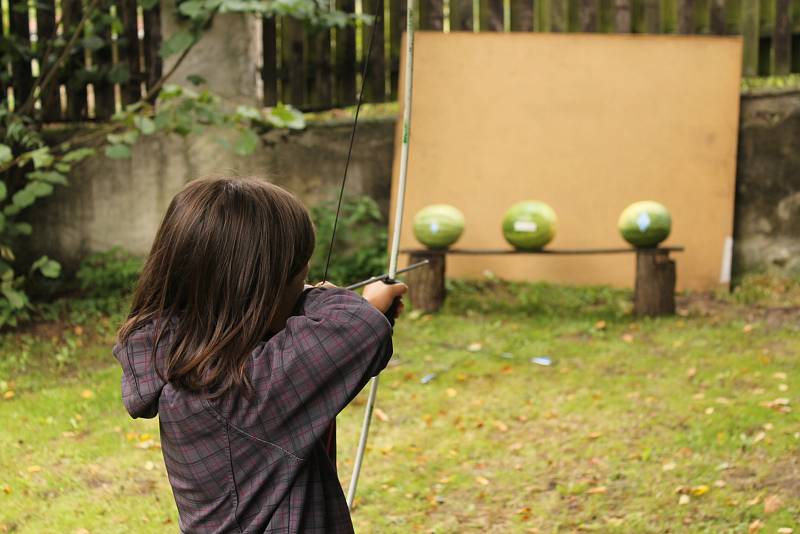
<point x="34" y="469"/>
<point x="755" y="527"/>
<point x="8" y="395"/>
<point x="684" y="499"/>
<point x="597" y="490"/>
<point x="380" y="414"/>
<point x="482" y="481"/>
<point x="772" y="504"/>
<point x="669" y="466"/>
<point x="700" y="490"/>
<point x="451" y="392"/>
<point x="87" y="394"/>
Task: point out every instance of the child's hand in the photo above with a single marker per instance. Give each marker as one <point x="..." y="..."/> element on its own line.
<point x="382" y="295"/>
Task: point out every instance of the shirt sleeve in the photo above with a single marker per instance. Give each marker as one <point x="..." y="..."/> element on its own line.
<point x="329" y="353"/>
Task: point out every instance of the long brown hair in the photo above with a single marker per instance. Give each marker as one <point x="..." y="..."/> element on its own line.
<point x="217" y="270"/>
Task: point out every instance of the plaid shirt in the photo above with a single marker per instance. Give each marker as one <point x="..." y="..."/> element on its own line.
<point x="263" y="463"/>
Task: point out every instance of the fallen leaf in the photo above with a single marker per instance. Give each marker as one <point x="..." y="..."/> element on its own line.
<point x="783" y="387"/>
<point x="515" y="446"/>
<point x="754" y="501"/>
<point x="596" y="490"/>
<point x="709" y="410"/>
<point x="768" y="426"/>
<point x="501" y="426"/>
<point x="380" y="414"/>
<point x="719" y="484"/>
<point x="747" y="328"/>
<point x="594" y="435"/>
<point x="627" y="338"/>
<point x="7" y="490"/>
<point x="668" y="466"/>
<point x="755" y="527"/>
<point x="600" y="325"/>
<point x="81" y="531"/>
<point x="34" y="469"/>
<point x="758" y="437"/>
<point x="700" y="490"/>
<point x="785" y="530"/>
<point x="699" y="396"/>
<point x="723" y="466"/>
<point x="149" y="466"/>
<point x="145" y="437"/>
<point x="723" y="400"/>
<point x="451" y="392"/>
<point x="78" y="330"/>
<point x="691" y="373"/>
<point x="772" y="504"/>
<point x="474" y="347"/>
<point x="87" y="394"/>
<point x="482" y="481"/>
<point x="779" y="376"/>
<point x="684" y="499"/>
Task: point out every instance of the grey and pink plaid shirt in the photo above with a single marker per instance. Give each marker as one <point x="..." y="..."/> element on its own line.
<point x="263" y="463"/>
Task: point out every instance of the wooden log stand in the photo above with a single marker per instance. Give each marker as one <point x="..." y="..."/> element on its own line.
<point x="654" y="292"/>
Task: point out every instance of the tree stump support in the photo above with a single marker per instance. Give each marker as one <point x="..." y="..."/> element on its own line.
<point x="426" y="285"/>
<point x="655" y="283"/>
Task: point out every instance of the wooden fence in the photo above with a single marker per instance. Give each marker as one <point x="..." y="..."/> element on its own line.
<point x="112" y="67"/>
<point x="320" y="69"/>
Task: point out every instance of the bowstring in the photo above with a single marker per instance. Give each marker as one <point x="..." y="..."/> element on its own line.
<point x="379" y="12"/>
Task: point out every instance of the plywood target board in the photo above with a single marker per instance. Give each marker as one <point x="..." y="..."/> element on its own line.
<point x="587" y="124"/>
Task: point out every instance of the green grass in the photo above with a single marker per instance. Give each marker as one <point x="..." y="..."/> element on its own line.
<point x="633" y="415"/>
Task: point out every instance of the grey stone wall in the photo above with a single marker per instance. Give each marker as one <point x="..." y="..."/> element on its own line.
<point x="121" y="202"/>
<point x="767" y="215"/>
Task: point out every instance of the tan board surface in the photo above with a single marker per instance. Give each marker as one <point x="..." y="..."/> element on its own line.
<point x="586" y="123"/>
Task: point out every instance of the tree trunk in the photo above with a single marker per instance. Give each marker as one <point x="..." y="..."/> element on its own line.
<point x="655" y="283"/>
<point x="426" y="285"/>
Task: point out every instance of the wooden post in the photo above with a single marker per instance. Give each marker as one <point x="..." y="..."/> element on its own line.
<point x="426" y="285"/>
<point x="655" y="283"/>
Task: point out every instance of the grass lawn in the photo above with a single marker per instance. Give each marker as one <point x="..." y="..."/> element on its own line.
<point x="684" y="424"/>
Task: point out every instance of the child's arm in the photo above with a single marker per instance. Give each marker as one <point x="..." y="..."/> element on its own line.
<point x="325" y="357"/>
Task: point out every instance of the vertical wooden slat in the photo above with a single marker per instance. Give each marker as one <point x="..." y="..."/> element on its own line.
<point x="76" y="89"/>
<point x="375" y="90"/>
<point x="431" y="15"/>
<point x="782" y="38"/>
<point x="701" y="22"/>
<point x="21" y="66"/>
<point x="717" y="17"/>
<point x="491" y="15"/>
<point x="606" y="16"/>
<point x="558" y="15"/>
<point x="588" y="15"/>
<point x="750" y="27"/>
<point x="521" y="15"/>
<point x="152" y="42"/>
<point x="269" y="67"/>
<point x="460" y="15"/>
<point x="397" y="24"/>
<point x="345" y="73"/>
<point x="102" y="59"/>
<point x="45" y="30"/>
<point x="293" y="72"/>
<point x="733" y="16"/>
<point x="128" y="51"/>
<point x="622" y="16"/>
<point x="319" y="72"/>
<point x="651" y="22"/>
<point x="686" y="17"/>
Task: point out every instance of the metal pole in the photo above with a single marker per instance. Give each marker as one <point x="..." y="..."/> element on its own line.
<point x="395" y="250"/>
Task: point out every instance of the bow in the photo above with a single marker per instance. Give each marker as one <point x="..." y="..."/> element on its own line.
<point x="398" y="213"/>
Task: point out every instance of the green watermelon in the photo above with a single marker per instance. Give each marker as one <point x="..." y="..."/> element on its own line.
<point x="645" y="224"/>
<point x="438" y="226"/>
<point x="529" y="225"/>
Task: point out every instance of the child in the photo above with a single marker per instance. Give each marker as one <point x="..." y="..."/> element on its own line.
<point x="247" y="368"/>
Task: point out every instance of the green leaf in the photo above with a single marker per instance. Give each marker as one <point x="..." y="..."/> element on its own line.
<point x="40" y="189"/>
<point x="145" y="125"/>
<point x="177" y="43"/>
<point x="63" y="168"/>
<point x="3" y="191"/>
<point x="149" y="4"/>
<point x="49" y="268"/>
<point x="51" y="177"/>
<point x="170" y="90"/>
<point x="194" y="9"/>
<point x="5" y="154"/>
<point x="286" y="116"/>
<point x="248" y="112"/>
<point x="196" y="79"/>
<point x="15" y="298"/>
<point x="93" y="42"/>
<point x="246" y="143"/>
<point x="78" y="155"/>
<point x="42" y="157"/>
<point x="128" y="137"/>
<point x="2" y="222"/>
<point x="119" y="73"/>
<point x="23" y="198"/>
<point x="118" y="152"/>
<point x="23" y="228"/>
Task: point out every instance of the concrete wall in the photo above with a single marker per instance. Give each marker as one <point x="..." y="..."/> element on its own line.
<point x="767" y="216"/>
<point x="121" y="202"/>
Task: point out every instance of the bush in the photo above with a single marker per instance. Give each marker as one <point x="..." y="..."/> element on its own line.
<point x="360" y="247"/>
<point x="110" y="273"/>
